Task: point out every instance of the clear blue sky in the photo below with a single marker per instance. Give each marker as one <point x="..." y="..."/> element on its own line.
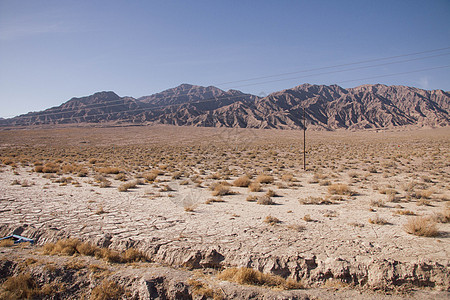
<point x="51" y="51"/>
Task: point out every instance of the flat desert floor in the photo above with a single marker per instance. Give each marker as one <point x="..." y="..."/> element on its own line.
<point x="371" y="210"/>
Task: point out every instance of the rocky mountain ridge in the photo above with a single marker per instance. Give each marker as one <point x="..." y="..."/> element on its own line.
<point x="326" y="108"/>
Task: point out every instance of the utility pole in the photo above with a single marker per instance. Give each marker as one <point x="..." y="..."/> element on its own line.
<point x="304" y="139"/>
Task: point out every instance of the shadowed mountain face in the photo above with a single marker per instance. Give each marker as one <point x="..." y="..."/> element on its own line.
<point x="326" y="108"/>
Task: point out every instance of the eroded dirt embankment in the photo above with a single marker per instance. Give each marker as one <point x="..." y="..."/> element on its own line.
<point x="385" y="274"/>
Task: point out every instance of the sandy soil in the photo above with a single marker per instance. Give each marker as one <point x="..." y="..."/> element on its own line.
<point x="175" y="225"/>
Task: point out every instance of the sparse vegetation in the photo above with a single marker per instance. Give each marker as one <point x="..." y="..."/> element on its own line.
<point x="252" y="277"/>
<point x="271" y="220"/>
<point x="421" y="226"/>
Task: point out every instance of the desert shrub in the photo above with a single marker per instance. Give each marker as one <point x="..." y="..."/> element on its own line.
<point x="443" y="216"/>
<point x="204" y="290"/>
<point x="307" y="218"/>
<point x="150" y="177"/>
<point x="243" y="181"/>
<point x="287" y="177"/>
<point x="254" y="277"/>
<point x="314" y="201"/>
<point x="254" y="187"/>
<point x="128" y="185"/>
<point x="377" y="203"/>
<point x="265" y="178"/>
<point x="21" y="286"/>
<point x="271" y="220"/>
<point x="405" y="212"/>
<point x="421" y="226"/>
<point x="50" y="168"/>
<point x="7" y="243"/>
<point x="265" y="200"/>
<point x="377" y="220"/>
<point x="107" y="290"/>
<point x="340" y="189"/>
<point x="221" y="190"/>
<point x="422" y="194"/>
<point x="109" y="170"/>
<point x="252" y="198"/>
<point x="71" y="247"/>
<point x="271" y="193"/>
<point x="211" y="200"/>
<point x="121" y="177"/>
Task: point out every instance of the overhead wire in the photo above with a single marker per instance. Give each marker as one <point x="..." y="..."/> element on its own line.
<point x="150" y="108"/>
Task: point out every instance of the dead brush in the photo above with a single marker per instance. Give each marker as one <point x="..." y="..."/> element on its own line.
<point x="265" y="200"/>
<point x="253" y="277"/>
<point x="204" y="290"/>
<point x="265" y="179"/>
<point x="315" y="201"/>
<point x="254" y="187"/>
<point x="109" y="170"/>
<point x="128" y="185"/>
<point x="221" y="190"/>
<point x="23" y="286"/>
<point x="443" y="216"/>
<point x="107" y="290"/>
<point x="340" y="189"/>
<point x="271" y="220"/>
<point x="377" y="220"/>
<point x="421" y="226"/>
<point x="243" y="181"/>
<point x="70" y="247"/>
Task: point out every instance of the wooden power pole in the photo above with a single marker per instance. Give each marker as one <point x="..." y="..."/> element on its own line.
<point x="304" y="139"/>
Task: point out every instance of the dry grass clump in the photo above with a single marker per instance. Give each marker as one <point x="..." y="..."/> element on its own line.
<point x="422" y="194"/>
<point x="265" y="200"/>
<point x="377" y="203"/>
<point x="128" y="185"/>
<point x="211" y="200"/>
<point x="243" y="181"/>
<point x="377" y="220"/>
<point x="252" y="198"/>
<point x="405" y="212"/>
<point x="47" y="168"/>
<point x="221" y="190"/>
<point x="7" y="243"/>
<point x="314" y="201"/>
<point x="254" y="187"/>
<point x="23" y="286"/>
<point x="340" y="189"/>
<point x="107" y="290"/>
<point x="307" y="218"/>
<point x="265" y="178"/>
<point x="70" y="247"/>
<point x="444" y="216"/>
<point x="421" y="226"/>
<point x="109" y="170"/>
<point x="253" y="277"/>
<point x="150" y="177"/>
<point x="271" y="220"/>
<point x="204" y="290"/>
<point x="287" y="177"/>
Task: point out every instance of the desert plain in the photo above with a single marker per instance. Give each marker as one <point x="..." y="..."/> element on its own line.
<point x="368" y="218"/>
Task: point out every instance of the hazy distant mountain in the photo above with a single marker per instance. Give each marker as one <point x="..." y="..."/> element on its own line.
<point x="326" y="107"/>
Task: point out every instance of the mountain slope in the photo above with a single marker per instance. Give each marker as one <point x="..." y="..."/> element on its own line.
<point x="326" y="107"/>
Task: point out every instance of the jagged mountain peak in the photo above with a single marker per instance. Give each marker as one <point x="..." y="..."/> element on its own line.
<point x="327" y="107"/>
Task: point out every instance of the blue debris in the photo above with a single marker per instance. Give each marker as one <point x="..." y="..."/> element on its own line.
<point x="18" y="239"/>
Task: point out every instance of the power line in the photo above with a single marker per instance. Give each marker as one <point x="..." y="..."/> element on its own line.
<point x="335" y="66"/>
<point x="145" y="109"/>
<point x="149" y="109"/>
<point x="169" y="93"/>
<point x="339" y="71"/>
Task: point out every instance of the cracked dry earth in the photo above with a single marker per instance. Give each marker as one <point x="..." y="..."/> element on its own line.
<point x="335" y="241"/>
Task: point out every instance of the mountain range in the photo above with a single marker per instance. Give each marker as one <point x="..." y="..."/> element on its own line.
<point x="325" y="107"/>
